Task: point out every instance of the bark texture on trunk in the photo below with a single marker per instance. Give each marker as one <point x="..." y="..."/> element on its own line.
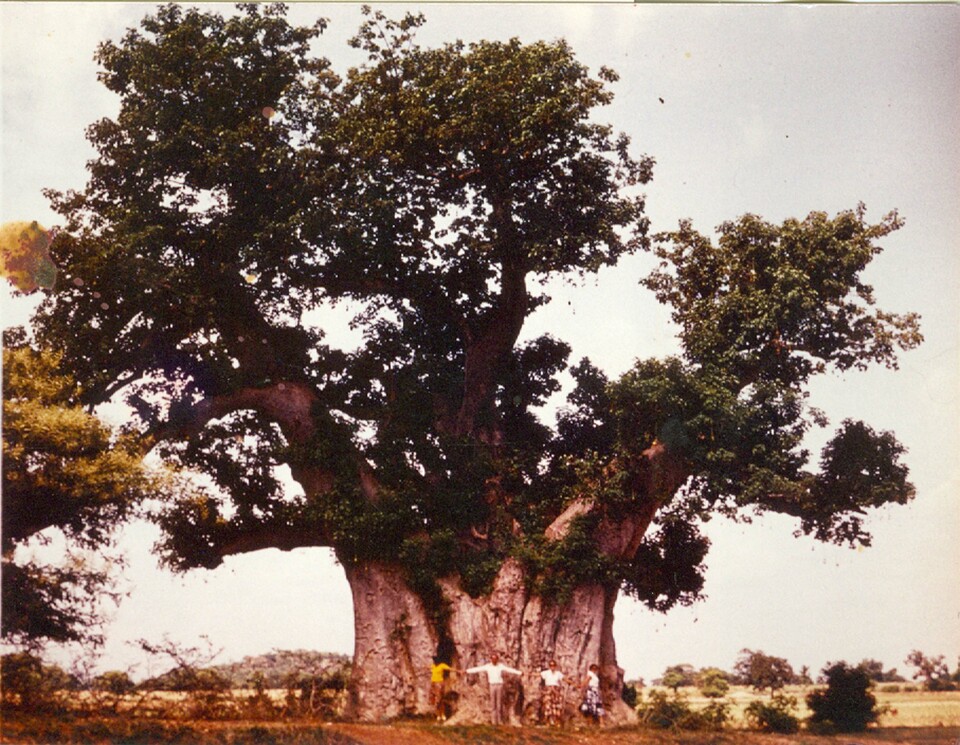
<point x="395" y="644"/>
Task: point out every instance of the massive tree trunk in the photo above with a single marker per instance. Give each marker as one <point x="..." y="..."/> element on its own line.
<point x="396" y="639"/>
<point x="394" y="642"/>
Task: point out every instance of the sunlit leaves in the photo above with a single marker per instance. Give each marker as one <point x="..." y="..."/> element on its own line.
<point x="781" y="302"/>
<point x="63" y="469"/>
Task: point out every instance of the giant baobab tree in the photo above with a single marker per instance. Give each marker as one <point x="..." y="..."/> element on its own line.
<point x="245" y="186"/>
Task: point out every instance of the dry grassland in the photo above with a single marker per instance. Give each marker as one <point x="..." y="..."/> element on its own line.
<point x="913" y="718"/>
<point x="904" y="708"/>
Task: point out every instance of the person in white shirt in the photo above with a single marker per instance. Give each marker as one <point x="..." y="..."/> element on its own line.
<point x="553" y="681"/>
<point x="592" y="706"/>
<point x="495" y="671"/>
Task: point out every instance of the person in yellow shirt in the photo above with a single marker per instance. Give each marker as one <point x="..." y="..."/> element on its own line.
<point x="439" y="674"/>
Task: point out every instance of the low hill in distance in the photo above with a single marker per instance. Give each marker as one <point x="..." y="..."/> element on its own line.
<point x="275" y="669"/>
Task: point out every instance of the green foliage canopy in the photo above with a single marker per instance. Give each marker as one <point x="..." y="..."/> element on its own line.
<point x="762" y="671"/>
<point x="62" y="469"/>
<point x="676" y="676"/>
<point x="713" y="682"/>
<point x="245" y="188"/>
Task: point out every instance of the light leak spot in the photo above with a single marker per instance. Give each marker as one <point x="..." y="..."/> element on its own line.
<point x="25" y="256"/>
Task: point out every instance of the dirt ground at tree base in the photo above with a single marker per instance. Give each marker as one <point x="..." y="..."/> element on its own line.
<point x="400" y="734"/>
<point x="97" y="732"/>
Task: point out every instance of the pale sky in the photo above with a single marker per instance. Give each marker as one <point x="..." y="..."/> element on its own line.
<point x="774" y="110"/>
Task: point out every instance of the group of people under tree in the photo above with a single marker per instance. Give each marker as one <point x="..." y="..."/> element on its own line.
<point x="552" y="682"/>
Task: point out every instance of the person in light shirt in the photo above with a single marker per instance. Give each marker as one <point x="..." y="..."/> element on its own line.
<point x="592" y="706"/>
<point x="553" y="681"/>
<point x="494" y="671"/>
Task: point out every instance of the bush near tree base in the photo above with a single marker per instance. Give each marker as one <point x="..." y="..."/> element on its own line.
<point x="664" y="712"/>
<point x="30" y="685"/>
<point x="846" y="704"/>
<point x="776" y="716"/>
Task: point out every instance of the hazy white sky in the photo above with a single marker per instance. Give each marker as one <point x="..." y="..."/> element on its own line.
<point x="775" y="110"/>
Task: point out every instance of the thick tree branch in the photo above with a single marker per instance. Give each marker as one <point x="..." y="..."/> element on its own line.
<point x="484" y="358"/>
<point x="199" y="535"/>
<point x="285" y="538"/>
<point x="287" y="404"/>
<point x="655" y="478"/>
<point x="489" y="344"/>
<point x="291" y="406"/>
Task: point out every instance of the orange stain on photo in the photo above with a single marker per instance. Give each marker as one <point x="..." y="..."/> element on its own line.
<point x="25" y="256"/>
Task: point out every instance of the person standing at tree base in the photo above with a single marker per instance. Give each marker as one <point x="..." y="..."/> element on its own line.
<point x="495" y="670"/>
<point x="592" y="706"/>
<point x="439" y="673"/>
<point x="553" y="681"/>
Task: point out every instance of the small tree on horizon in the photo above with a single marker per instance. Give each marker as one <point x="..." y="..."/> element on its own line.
<point x="677" y="676"/>
<point x="934" y="671"/>
<point x="713" y="682"/>
<point x="762" y="671"/>
<point x="875" y="671"/>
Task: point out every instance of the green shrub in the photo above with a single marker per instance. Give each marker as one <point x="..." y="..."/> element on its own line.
<point x="713" y="683"/>
<point x="846" y="704"/>
<point x="116" y="682"/>
<point x="776" y="716"/>
<point x="30" y="685"/>
<point x="715" y="715"/>
<point x="664" y="712"/>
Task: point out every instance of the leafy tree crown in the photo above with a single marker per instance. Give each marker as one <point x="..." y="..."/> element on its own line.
<point x="245" y="188"/>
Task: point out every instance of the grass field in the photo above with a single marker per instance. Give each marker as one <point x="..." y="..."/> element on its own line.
<point x="913" y="718"/>
<point x="921" y="709"/>
<point x="905" y="708"/>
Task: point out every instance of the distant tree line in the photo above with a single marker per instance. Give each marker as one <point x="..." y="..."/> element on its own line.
<point x="309" y="678"/>
<point x="841" y="701"/>
<point x="763" y="672"/>
<point x="273" y="670"/>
